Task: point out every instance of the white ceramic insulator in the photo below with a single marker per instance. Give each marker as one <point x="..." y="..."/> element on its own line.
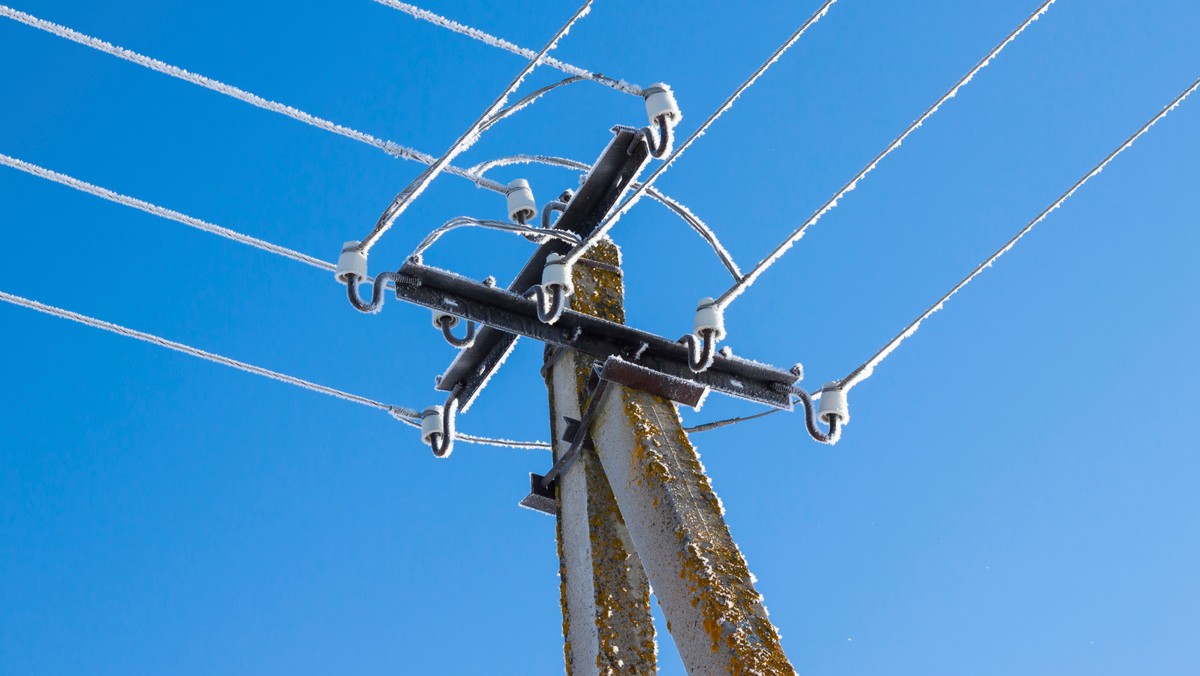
<point x="437" y="319"/>
<point x="660" y="101"/>
<point x="431" y="423"/>
<point x="352" y="263"/>
<point x="710" y="317"/>
<point x="557" y="273"/>
<point x="833" y="403"/>
<point x="520" y="202"/>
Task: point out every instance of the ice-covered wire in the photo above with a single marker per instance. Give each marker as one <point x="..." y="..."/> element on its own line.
<point x="389" y="147"/>
<point x="500" y="43"/>
<point x="653" y="193"/>
<point x="742" y="284"/>
<point x="401" y="413"/>
<point x="717" y="424"/>
<point x="527" y="101"/>
<point x="602" y="229"/>
<point x="163" y="212"/>
<point x="465" y="141"/>
<point x="502" y="226"/>
<point x="195" y="352"/>
<point x="868" y="367"/>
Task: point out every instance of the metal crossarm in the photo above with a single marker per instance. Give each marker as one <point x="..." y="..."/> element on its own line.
<point x="610" y="177"/>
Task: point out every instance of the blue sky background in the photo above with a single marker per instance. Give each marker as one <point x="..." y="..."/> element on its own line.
<point x="1016" y="492"/>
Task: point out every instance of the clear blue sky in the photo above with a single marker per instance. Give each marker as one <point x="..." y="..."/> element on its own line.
<point x="1016" y="492"/>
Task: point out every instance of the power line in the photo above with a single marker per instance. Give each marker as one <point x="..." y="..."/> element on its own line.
<point x="392" y="148"/>
<point x="741" y="285"/>
<point x="671" y="203"/>
<point x="404" y="414"/>
<point x="465" y="141"/>
<point x="400" y="413"/>
<point x="163" y="212"/>
<point x="500" y="43"/>
<point x="626" y="205"/>
<point x="389" y="147"/>
<point x="867" y="368"/>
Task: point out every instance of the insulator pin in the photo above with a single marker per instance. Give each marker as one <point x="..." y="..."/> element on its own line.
<point x="833" y="405"/>
<point x="710" y="319"/>
<point x="431" y="423"/>
<point x="352" y="264"/>
<point x="522" y="208"/>
<point x="439" y="317"/>
<point x="660" y="101"/>
<point x="557" y="273"/>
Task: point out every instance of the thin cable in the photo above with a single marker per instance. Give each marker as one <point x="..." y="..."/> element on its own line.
<point x="626" y="205"/>
<point x="401" y="413"/>
<point x="671" y="203"/>
<point x="500" y="43"/>
<point x="867" y="368"/>
<point x="502" y="226"/>
<point x="717" y="424"/>
<point x="527" y="101"/>
<point x="389" y="147"/>
<point x="163" y="212"/>
<point x="741" y="285"/>
<point x="468" y="138"/>
<point x="195" y="352"/>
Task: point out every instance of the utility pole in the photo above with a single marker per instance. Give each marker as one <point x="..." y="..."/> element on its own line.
<point x="608" y="627"/>
<point x="676" y="522"/>
<point x="634" y="505"/>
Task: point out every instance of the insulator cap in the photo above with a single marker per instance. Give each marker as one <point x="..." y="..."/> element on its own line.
<point x="557" y="273"/>
<point x="437" y="319"/>
<point x="351" y="264"/>
<point x="660" y="101"/>
<point x="431" y="423"/>
<point x="710" y="317"/>
<point x="521" y="205"/>
<point x="833" y="404"/>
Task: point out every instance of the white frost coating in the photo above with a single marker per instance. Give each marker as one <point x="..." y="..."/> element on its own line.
<point x="162" y="212"/>
<point x="389" y="147"/>
<point x="863" y="372"/>
<point x="500" y="43"/>
<point x="642" y="188"/>
<point x="671" y="203"/>
<point x="404" y="414"/>
<point x="745" y="283"/>
<point x="468" y="138"/>
<point x="195" y="352"/>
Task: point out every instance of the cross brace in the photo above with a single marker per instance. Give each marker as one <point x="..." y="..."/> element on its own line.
<point x="514" y="314"/>
<point x="609" y="178"/>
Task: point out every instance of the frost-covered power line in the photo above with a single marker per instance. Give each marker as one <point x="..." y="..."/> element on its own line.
<point x="389" y="147"/>
<point x="642" y="189"/>
<point x="868" y="367"/>
<point x="402" y="413"/>
<point x="465" y="141"/>
<point x="500" y="43"/>
<point x="394" y="149"/>
<point x="163" y="212"/>
<point x="671" y="203"/>
<point x="741" y="285"/>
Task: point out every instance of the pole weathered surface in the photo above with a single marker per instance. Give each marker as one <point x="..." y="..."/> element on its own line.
<point x="607" y="623"/>
<point x="676" y="522"/>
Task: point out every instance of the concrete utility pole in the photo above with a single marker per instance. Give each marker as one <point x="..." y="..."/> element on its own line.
<point x="638" y="504"/>
<point x="607" y="623"/>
